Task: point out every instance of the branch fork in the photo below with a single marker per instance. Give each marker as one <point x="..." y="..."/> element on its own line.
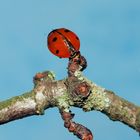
<point x="76" y="90"/>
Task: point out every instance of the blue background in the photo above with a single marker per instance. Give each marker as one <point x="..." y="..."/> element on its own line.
<point x="110" y="40"/>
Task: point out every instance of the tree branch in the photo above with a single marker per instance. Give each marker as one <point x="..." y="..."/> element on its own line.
<point x="76" y="90"/>
<point x="17" y="107"/>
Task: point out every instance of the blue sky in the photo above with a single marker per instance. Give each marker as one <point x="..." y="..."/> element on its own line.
<point x="110" y="40"/>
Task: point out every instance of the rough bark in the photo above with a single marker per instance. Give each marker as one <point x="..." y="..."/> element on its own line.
<point x="76" y="90"/>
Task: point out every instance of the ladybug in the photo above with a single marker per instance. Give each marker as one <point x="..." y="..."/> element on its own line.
<point x="63" y="43"/>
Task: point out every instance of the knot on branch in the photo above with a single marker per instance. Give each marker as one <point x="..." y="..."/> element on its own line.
<point x="78" y="90"/>
<point x="40" y="81"/>
<point x="46" y="76"/>
<point x="82" y="90"/>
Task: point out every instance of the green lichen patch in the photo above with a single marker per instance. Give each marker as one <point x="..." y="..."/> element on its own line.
<point x="126" y="112"/>
<point x="9" y="102"/>
<point x="30" y="94"/>
<point x="98" y="100"/>
<point x="64" y="102"/>
<point x="51" y="75"/>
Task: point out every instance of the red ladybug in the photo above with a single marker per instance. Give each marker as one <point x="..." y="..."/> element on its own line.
<point x="63" y="43"/>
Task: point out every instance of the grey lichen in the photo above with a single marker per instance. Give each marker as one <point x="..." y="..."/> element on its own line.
<point x="126" y="112"/>
<point x="97" y="100"/>
<point x="79" y="75"/>
<point x="64" y="102"/>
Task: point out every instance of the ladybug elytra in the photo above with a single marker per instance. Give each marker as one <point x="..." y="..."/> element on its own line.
<point x="63" y="43"/>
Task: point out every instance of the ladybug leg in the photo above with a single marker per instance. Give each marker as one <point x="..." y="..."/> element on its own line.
<point x="77" y="129"/>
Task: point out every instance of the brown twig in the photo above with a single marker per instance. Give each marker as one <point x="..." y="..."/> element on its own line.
<point x="77" y="129"/>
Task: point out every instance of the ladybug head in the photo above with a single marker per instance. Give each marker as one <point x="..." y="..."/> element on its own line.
<point x="63" y="43"/>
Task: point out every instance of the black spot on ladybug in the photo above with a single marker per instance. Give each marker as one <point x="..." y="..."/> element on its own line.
<point x="54" y="39"/>
<point x="57" y="51"/>
<point x="66" y="30"/>
<point x="77" y="38"/>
